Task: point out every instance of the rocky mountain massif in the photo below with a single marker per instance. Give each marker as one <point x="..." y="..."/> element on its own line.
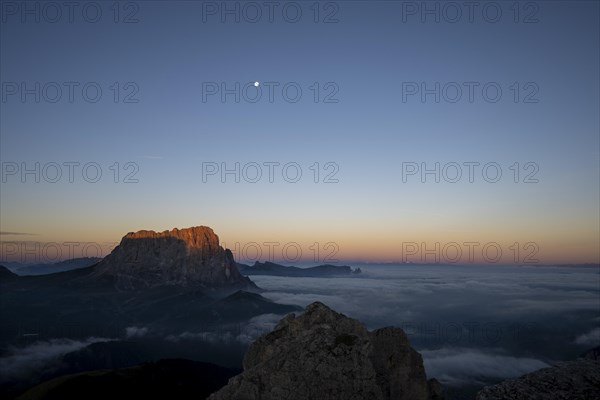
<point x="170" y="281"/>
<point x="169" y="288"/>
<point x="181" y="257"/>
<point x="327" y="356"/>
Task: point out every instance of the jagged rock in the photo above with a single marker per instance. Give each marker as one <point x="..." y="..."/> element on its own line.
<point x="572" y="380"/>
<point x="436" y="392"/>
<point x="323" y="355"/>
<point x="593" y="354"/>
<point x="186" y="257"/>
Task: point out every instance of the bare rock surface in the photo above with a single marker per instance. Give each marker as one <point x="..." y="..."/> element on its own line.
<point x="324" y="355"/>
<point x="184" y="257"/>
<point x="572" y="380"/>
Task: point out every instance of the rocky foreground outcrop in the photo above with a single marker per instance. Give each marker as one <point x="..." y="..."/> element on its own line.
<point x="324" y="355"/>
<point x="572" y="380"/>
<point x="184" y="257"/>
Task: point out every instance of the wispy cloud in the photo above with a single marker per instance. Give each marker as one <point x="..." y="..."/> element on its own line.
<point x="135" y="331"/>
<point x="592" y="338"/>
<point x="441" y="307"/>
<point x="18" y="234"/>
<point x="460" y="366"/>
<point x="248" y="333"/>
<point x="19" y="362"/>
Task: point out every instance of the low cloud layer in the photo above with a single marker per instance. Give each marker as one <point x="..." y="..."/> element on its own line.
<point x="591" y="339"/>
<point x="135" y="331"/>
<point x="504" y="321"/>
<point x="393" y="295"/>
<point x="19" y="362"/>
<point x="463" y="366"/>
<point x="244" y="334"/>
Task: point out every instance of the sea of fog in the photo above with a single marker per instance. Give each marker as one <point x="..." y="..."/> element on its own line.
<point x="473" y="324"/>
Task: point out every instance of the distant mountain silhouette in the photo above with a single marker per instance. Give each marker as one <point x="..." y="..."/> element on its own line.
<point x="50" y="268"/>
<point x="6" y="275"/>
<point x="269" y="268"/>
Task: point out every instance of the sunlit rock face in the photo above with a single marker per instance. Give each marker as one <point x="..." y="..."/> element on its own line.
<point x="184" y="257"/>
<point x="327" y="356"/>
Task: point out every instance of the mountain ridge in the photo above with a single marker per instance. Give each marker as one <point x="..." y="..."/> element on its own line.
<point x="274" y="269"/>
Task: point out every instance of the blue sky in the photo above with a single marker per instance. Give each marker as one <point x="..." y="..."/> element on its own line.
<point x="367" y="57"/>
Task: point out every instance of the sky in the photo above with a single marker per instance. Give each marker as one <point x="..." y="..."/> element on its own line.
<point x="145" y="115"/>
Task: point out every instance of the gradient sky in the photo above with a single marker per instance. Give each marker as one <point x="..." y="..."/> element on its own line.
<point x="369" y="54"/>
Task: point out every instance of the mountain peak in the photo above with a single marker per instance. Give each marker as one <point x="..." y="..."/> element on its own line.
<point x="184" y="257"/>
<point x="196" y="236"/>
<point x="323" y="354"/>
